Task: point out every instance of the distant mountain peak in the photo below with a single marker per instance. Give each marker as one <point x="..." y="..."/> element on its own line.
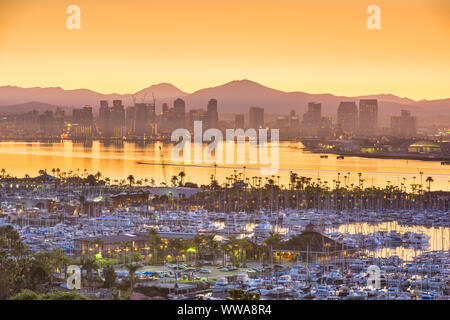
<point x="162" y="90"/>
<point x="239" y="88"/>
<point x="243" y="81"/>
<point x="246" y="83"/>
<point x="233" y="97"/>
<point x="163" y="85"/>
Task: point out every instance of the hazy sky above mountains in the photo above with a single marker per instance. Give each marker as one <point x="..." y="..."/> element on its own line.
<point x="313" y="46"/>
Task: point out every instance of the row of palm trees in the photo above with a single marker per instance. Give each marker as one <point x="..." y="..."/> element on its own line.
<point x="74" y="178"/>
<point x="296" y="182"/>
<point x="201" y="246"/>
<point x="238" y="192"/>
<point x="254" y="193"/>
<point x="235" y="250"/>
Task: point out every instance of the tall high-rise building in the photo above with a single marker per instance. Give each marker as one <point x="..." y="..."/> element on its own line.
<point x="104" y="117"/>
<point x="151" y="112"/>
<point x="368" y="116"/>
<point x="28" y="121"/>
<point x="179" y="108"/>
<point x="130" y="119"/>
<point x="282" y="123"/>
<point x="58" y="120"/>
<point x="46" y="124"/>
<point x="404" y="126"/>
<point x="165" y="108"/>
<point x="294" y="122"/>
<point x="256" y="117"/>
<point x="103" y="104"/>
<point x="313" y="115"/>
<point x="312" y="119"/>
<point x="164" y="115"/>
<point x="142" y="119"/>
<point x="212" y="116"/>
<point x="82" y="123"/>
<point x="239" y="122"/>
<point x="118" y="118"/>
<point x="347" y="116"/>
<point x="117" y="103"/>
<point x="325" y="127"/>
<point x="104" y="110"/>
<point x="83" y="116"/>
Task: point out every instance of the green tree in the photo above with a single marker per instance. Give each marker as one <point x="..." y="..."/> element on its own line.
<point x="155" y="242"/>
<point x="89" y="264"/>
<point x="110" y="275"/>
<point x="273" y="240"/>
<point x="62" y="295"/>
<point x="238" y="294"/>
<point x="27" y="294"/>
<point x="132" y="268"/>
<point x="212" y="246"/>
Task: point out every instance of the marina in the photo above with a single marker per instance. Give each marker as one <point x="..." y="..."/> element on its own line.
<point x="410" y="246"/>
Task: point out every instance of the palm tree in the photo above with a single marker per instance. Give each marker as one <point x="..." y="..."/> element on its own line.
<point x="429" y="180"/>
<point x="132" y="268"/>
<point x="110" y="275"/>
<point x="60" y="260"/>
<point x="273" y="240"/>
<point x="123" y="246"/>
<point x="129" y="248"/>
<point x="212" y="246"/>
<point x="225" y="248"/>
<point x="82" y="201"/>
<point x="292" y="179"/>
<point x="97" y="176"/>
<point x="155" y="242"/>
<point x="174" y="181"/>
<point x="235" y="246"/>
<point x="176" y="246"/>
<point x="199" y="242"/>
<point x="89" y="264"/>
<point x="245" y="244"/>
<point x="130" y="178"/>
<point x="181" y="175"/>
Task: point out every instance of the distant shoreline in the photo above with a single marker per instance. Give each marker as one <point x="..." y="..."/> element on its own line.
<point x="397" y="156"/>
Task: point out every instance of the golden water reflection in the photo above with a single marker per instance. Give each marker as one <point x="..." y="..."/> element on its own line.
<point x="118" y="160"/>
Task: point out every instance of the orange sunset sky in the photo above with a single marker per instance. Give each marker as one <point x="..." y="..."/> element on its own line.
<point x="293" y="45"/>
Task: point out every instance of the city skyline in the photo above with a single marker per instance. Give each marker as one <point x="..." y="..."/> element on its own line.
<point x="172" y="41"/>
<point x="142" y="119"/>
